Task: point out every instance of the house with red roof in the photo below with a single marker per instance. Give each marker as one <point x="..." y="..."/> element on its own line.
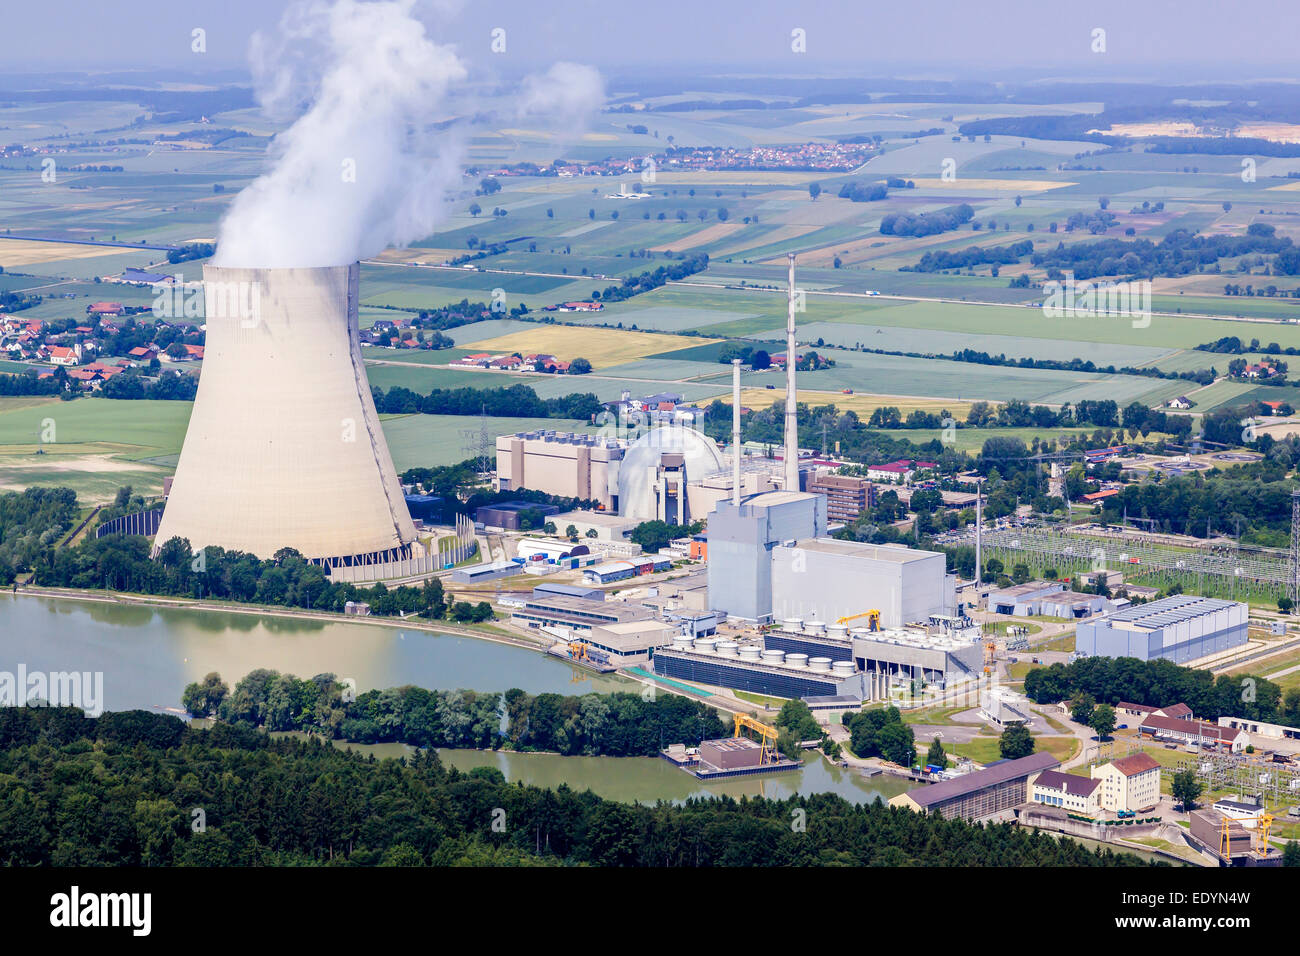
<point x="105" y="308"/>
<point x="64" y="355"/>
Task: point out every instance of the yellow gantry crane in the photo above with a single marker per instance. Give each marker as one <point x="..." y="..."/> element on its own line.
<point x="872" y="616"/>
<point x="765" y="731"/>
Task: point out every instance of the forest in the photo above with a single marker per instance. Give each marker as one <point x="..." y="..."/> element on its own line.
<point x="1161" y="683"/>
<point x="141" y="789"/>
<point x="610" y="725"/>
<point x="513" y="401"/>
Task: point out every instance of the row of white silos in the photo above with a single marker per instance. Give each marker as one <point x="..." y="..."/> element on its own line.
<point x="751" y="652"/>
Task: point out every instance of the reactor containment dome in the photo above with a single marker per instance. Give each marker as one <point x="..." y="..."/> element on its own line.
<point x="284" y="449"/>
<point x="653" y="475"/>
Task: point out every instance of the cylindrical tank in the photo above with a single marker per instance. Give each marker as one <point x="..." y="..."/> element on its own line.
<point x="798" y="661"/>
<point x="838" y="631"/>
<point x="727" y="648"/>
<point x="794" y="624"/>
<point x="706" y="645"/>
<point x="822" y="665"/>
<point x="815" y="628"/>
<point x="773" y="656"/>
<point x="750" y="652"/>
<point x="842" y="669"/>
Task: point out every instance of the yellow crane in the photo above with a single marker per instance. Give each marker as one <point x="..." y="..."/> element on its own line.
<point x="765" y="731"/>
<point x="872" y="616"/>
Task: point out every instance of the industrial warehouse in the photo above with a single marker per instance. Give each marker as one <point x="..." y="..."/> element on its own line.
<point x="1179" y="628"/>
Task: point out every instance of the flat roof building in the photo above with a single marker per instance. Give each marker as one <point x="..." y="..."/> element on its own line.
<point x="630" y="642"/>
<point x="827" y="578"/>
<point x="486" y="572"/>
<point x="574" y="613"/>
<point x="1050" y="598"/>
<point x="508" y="514"/>
<point x="1180" y="628"/>
<point x="846" y="496"/>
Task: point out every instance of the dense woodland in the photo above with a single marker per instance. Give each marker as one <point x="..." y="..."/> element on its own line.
<point x="122" y="789"/>
<point x="611" y="725"/>
<point x="512" y="401"/>
<point x="1162" y="683"/>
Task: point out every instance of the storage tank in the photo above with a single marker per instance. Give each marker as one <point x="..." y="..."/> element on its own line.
<point x="842" y="669"/>
<point x="797" y="661"/>
<point x="727" y="648"/>
<point x="838" y="631"/>
<point x="706" y="645"/>
<point x="822" y="665"/>
<point x="773" y="656"/>
<point x="815" y="628"/>
<point x="750" y="652"/>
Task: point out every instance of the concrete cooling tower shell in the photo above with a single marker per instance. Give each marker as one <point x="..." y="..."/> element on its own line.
<point x="284" y="448"/>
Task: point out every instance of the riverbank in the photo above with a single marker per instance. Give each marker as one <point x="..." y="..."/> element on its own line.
<point x="487" y="633"/>
<point x="149" y="650"/>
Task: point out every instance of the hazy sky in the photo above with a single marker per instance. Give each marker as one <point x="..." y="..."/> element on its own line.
<point x="1174" y="40"/>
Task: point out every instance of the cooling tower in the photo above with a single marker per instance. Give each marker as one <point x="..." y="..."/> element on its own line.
<point x="284" y="448"/>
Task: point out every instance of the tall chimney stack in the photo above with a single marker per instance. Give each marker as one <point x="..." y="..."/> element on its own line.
<point x="735" y="432"/>
<point x="791" y="395"/>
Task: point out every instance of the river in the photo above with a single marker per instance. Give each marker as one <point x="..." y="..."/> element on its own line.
<point x="649" y="779"/>
<point x="148" y="654"/>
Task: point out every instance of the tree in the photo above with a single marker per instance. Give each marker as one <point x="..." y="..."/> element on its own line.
<point x="579" y="366"/>
<point x="935" y="756"/>
<point x="475" y="209"/>
<point x="1016" y="742"/>
<point x="896" y="743"/>
<point x="1285" y="604"/>
<point x="1081" y="707"/>
<point x="1291" y="854"/>
<point x="814" y="190"/>
<point x="571" y="532"/>
<point x="760" y="360"/>
<point x="1186" y="788"/>
<point x="203" y="699"/>
<point x="549" y="527"/>
<point x="1102" y="721"/>
<point x="590" y="533"/>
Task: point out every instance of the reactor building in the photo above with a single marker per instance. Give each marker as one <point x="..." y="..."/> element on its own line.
<point x="284" y="449"/>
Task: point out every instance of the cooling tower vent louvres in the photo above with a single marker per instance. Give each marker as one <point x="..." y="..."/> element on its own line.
<point x="797" y="661"/>
<point x="284" y="448"/>
<point x="773" y="656"/>
<point x="750" y="652"/>
<point x="726" y="648"/>
<point x="820" y="665"/>
<point x="843" y="669"/>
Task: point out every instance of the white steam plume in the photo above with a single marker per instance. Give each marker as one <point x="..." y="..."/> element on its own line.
<point x="568" y="92"/>
<point x="362" y="169"/>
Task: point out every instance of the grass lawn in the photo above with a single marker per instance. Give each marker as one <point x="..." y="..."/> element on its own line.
<point x="1063" y="643"/>
<point x="933" y="715"/>
<point x="1001" y="627"/>
<point x="761" y="700"/>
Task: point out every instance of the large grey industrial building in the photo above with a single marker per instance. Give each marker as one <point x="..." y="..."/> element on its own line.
<point x="741" y="539"/>
<point x="1180" y="628"/>
<point x="826" y="578"/>
<point x="770" y="559"/>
